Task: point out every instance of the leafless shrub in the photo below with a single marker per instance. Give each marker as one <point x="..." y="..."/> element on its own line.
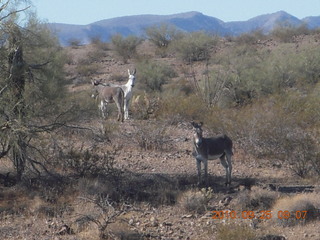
<point x="151" y="136"/>
<point x="196" y="201"/>
<point x="102" y="213"/>
<point x="85" y="162"/>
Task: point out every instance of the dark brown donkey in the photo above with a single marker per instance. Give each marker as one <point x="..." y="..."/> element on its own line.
<point x="209" y="149"/>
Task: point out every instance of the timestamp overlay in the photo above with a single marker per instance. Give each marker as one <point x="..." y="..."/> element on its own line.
<point x="263" y="214"/>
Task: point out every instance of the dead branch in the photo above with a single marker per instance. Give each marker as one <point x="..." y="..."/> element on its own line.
<point x="10" y="13"/>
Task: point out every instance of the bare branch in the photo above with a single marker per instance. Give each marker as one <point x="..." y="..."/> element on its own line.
<point x="11" y="13"/>
<point x="5" y="152"/>
<point x="38" y="66"/>
<point x="3" y="89"/>
<point x="4" y="6"/>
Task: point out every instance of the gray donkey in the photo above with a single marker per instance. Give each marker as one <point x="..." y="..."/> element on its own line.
<point x="109" y="95"/>
<point x="209" y="149"/>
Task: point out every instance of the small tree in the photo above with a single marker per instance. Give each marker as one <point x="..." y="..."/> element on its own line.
<point x="162" y="35"/>
<point x="126" y="48"/>
<point x="28" y="88"/>
<point x="153" y="75"/>
<point x="195" y="46"/>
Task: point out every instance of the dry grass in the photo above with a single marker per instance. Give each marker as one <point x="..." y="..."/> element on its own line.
<point x="297" y="209"/>
<point x="235" y="231"/>
<point x="255" y="199"/>
<point x="195" y="201"/>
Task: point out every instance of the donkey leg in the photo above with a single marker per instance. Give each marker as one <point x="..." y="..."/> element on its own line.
<point x="229" y="161"/>
<point x="199" y="170"/>
<point x="103" y="108"/>
<point x="120" y="111"/>
<point x="227" y="167"/>
<point x="205" y="164"/>
<point x="126" y="109"/>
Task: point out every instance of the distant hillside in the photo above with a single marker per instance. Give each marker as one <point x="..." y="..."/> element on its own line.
<point x="188" y="22"/>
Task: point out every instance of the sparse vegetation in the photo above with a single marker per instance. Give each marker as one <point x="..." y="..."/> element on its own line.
<point x="63" y="177"/>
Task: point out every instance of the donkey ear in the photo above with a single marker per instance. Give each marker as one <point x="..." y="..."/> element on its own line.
<point x="134" y="71"/>
<point x="129" y="72"/>
<point x="193" y="124"/>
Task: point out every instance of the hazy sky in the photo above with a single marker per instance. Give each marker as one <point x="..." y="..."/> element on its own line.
<point x="89" y="11"/>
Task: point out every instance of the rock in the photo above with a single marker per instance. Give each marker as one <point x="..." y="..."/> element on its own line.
<point x="153" y="222"/>
<point x="272" y="237"/>
<point x="64" y="229"/>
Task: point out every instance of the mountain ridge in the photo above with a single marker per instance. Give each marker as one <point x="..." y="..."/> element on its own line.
<point x="187" y="22"/>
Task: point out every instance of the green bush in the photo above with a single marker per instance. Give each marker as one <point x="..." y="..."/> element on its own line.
<point x="194" y="46"/>
<point x="250" y="38"/>
<point x="161" y="36"/>
<point x="126" y="48"/>
<point x="287" y="33"/>
<point x="176" y="106"/>
<point x="152" y="75"/>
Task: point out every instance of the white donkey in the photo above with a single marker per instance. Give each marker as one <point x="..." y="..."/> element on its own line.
<point x="210" y="149"/>
<point x="127" y="89"/>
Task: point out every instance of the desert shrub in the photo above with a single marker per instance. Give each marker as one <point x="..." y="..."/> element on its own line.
<point x="250" y="38"/>
<point x="251" y="72"/>
<point x="151" y="136"/>
<point x="161" y="36"/>
<point x="196" y="201"/>
<point x="280" y="127"/>
<point x="194" y="46"/>
<point x="32" y="93"/>
<point x="118" y="78"/>
<point x="86" y="69"/>
<point x="126" y="48"/>
<point x="153" y="75"/>
<point x="84" y="162"/>
<point x="256" y="199"/>
<point x="177" y="106"/>
<point x="144" y="105"/>
<point x="299" y="149"/>
<point x="213" y="88"/>
<point x="96" y="55"/>
<point x="235" y="231"/>
<point x="100" y="45"/>
<point x="74" y="42"/>
<point x="286" y="33"/>
<point x="296" y="209"/>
